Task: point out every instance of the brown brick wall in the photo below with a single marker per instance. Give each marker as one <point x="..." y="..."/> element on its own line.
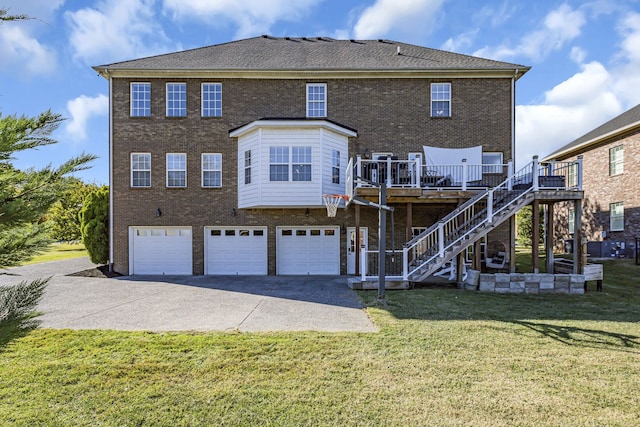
<point x="601" y="189"/>
<point x="389" y="115"/>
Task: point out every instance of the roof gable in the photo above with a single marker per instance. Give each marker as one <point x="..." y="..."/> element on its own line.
<point x="625" y="122"/>
<point x="268" y="53"/>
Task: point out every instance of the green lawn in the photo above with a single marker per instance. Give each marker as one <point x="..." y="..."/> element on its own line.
<point x="443" y="357"/>
<point x="59" y="251"/>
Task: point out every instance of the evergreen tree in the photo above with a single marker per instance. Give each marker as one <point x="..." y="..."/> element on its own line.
<point x="94" y="224"/>
<point x="64" y="215"/>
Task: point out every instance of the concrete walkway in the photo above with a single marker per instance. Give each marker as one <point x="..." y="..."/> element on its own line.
<point x="193" y="303"/>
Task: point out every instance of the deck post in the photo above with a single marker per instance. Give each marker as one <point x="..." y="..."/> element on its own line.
<point x="382" y="237"/>
<point x="510" y="175"/>
<point x="441" y="239"/>
<point x="358" y="246"/>
<point x="577" y="235"/>
<point x="535" y="171"/>
<point x="490" y="207"/>
<point x="465" y="174"/>
<point x="579" y="162"/>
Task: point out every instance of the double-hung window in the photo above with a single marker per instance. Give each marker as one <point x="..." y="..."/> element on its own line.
<point x="140" y="99"/>
<point x="440" y="99"/>
<point x="176" y="170"/>
<point x="176" y="99"/>
<point x="616" y="160"/>
<point x="289" y="163"/>
<point x="335" y="167"/>
<point x="572" y="178"/>
<point x="211" y="170"/>
<point x="616" y="214"/>
<point x="141" y="170"/>
<point x="317" y="100"/>
<point x="572" y="220"/>
<point x="247" y="167"/>
<point x="301" y="163"/>
<point x="211" y="99"/>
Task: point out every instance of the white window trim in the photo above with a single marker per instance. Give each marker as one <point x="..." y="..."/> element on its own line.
<point x="247" y="167"/>
<point x="175" y="170"/>
<point x="203" y="170"/>
<point x="335" y="154"/>
<point x="571" y="221"/>
<point x="290" y="163"/>
<point x="202" y="107"/>
<point x="139" y="170"/>
<point x="131" y="99"/>
<point x="323" y="85"/>
<point x="618" y="162"/>
<point x="611" y="216"/>
<point x="166" y="91"/>
<point x="431" y="92"/>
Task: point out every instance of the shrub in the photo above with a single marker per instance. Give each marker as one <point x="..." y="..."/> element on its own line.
<point x="94" y="225"/>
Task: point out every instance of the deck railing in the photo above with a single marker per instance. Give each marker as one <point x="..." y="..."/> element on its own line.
<point x="459" y="225"/>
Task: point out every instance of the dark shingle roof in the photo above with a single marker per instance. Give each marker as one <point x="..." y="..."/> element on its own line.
<point x="268" y="53"/>
<point x="624" y="122"/>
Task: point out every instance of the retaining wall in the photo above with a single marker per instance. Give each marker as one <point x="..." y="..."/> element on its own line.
<point x="526" y="283"/>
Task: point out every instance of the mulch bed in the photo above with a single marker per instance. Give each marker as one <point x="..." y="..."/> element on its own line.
<point x="100" y="271"/>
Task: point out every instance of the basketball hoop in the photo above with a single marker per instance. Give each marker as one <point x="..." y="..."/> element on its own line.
<point x="331" y="201"/>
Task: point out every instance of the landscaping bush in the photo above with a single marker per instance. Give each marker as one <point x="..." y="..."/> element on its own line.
<point x="94" y="223"/>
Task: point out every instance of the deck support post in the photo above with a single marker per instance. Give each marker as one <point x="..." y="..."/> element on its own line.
<point x="549" y="238"/>
<point x="577" y="237"/>
<point x="535" y="236"/>
<point x="358" y="248"/>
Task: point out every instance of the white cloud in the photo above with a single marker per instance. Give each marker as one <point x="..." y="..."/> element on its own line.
<point x="570" y="109"/>
<point x="461" y="42"/>
<point x="411" y="18"/>
<point x="115" y="30"/>
<point x="81" y="110"/>
<point x="559" y="27"/>
<point x="19" y="50"/>
<point x="252" y="17"/>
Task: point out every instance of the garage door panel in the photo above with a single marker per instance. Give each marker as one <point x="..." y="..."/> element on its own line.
<point x="161" y="250"/>
<point x="236" y="251"/>
<point x="308" y="250"/>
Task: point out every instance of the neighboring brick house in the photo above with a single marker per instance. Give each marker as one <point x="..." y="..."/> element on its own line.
<point x="611" y="208"/>
<point x="219" y="156"/>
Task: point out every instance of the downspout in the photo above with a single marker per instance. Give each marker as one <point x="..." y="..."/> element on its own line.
<point x="512" y="221"/>
<point x="106" y="72"/>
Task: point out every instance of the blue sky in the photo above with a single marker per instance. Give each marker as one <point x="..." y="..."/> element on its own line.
<point x="584" y="54"/>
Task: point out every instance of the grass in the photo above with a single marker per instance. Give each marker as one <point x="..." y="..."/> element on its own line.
<point x="58" y="252"/>
<point x="442" y="357"/>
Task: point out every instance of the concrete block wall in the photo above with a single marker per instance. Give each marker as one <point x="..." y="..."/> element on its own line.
<point x="530" y="283"/>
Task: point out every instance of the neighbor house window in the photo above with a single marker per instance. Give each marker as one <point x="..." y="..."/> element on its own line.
<point x="247" y="167"/>
<point x="571" y="220"/>
<point x="335" y="167"/>
<point x="491" y="162"/>
<point x="290" y="163"/>
<point x="211" y="170"/>
<point x="176" y="170"/>
<point x="616" y="160"/>
<point x="616" y="216"/>
<point x="176" y="99"/>
<point x="140" y="99"/>
<point x="211" y="99"/>
<point x="140" y="169"/>
<point x="440" y="99"/>
<point x="572" y="178"/>
<point x="317" y="100"/>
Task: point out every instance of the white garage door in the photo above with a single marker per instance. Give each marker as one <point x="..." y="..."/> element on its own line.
<point x="308" y="250"/>
<point x="160" y="250"/>
<point x="241" y="250"/>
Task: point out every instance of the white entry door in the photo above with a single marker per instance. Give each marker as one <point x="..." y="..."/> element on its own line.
<point x="160" y="250"/>
<point x="235" y="250"/>
<point x="308" y="250"/>
<point x="353" y="247"/>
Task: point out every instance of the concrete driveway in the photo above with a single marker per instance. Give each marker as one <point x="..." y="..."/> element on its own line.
<point x="193" y="303"/>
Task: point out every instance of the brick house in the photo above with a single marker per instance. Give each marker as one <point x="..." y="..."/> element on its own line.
<point x="611" y="208"/>
<point x="219" y="156"/>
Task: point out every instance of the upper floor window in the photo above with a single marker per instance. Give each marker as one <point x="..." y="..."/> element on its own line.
<point x="141" y="169"/>
<point x="247" y="167"/>
<point x="211" y="170"/>
<point x="211" y="99"/>
<point x="140" y="99"/>
<point x="572" y="178"/>
<point x="176" y="170"/>
<point x="289" y="163"/>
<point x="335" y="167"/>
<point x="616" y="160"/>
<point x="176" y="99"/>
<point x="616" y="215"/>
<point x="440" y="99"/>
<point x="317" y="100"/>
<point x="491" y="162"/>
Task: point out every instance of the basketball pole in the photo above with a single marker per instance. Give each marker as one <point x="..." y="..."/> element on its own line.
<point x="382" y="240"/>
